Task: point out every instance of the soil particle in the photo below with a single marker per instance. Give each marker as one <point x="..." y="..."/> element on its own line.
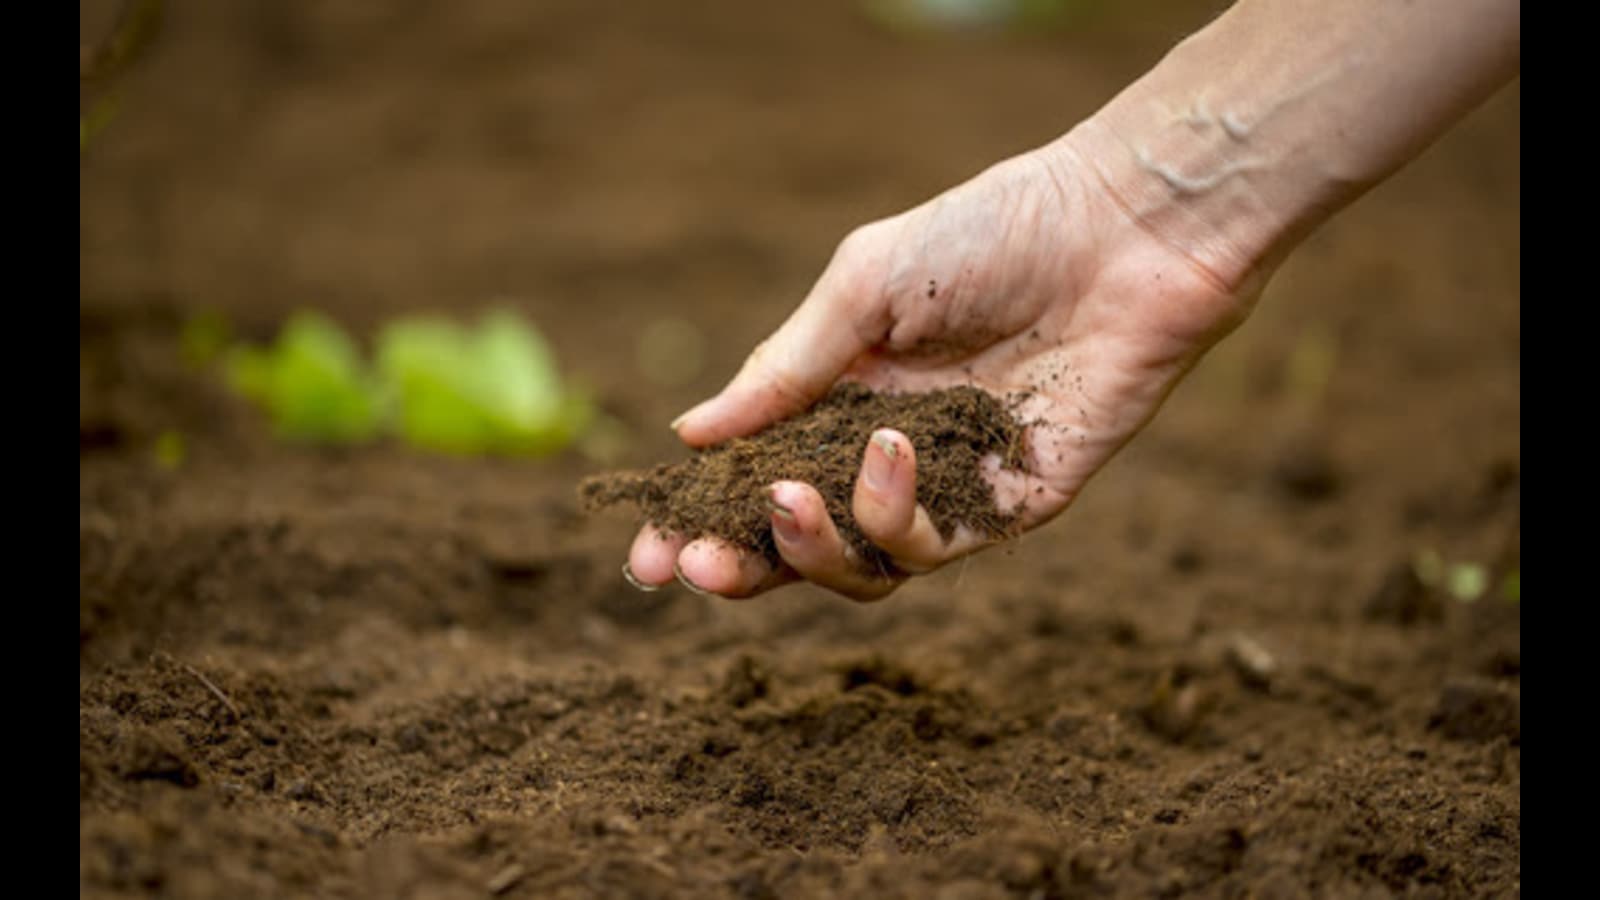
<point x="1253" y="663"/>
<point x="1177" y="706"/>
<point x="745" y="682"/>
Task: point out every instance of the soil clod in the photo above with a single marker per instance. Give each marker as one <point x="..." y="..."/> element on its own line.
<point x="155" y="755"/>
<point x="1478" y="710"/>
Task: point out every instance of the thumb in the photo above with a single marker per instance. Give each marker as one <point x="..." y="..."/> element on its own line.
<point x="791" y="369"/>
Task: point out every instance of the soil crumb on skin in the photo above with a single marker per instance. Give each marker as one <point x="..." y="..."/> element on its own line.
<point x="722" y="491"/>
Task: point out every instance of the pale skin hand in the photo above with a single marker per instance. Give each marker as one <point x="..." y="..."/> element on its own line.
<point x="1026" y="278"/>
<point x="1093" y="272"/>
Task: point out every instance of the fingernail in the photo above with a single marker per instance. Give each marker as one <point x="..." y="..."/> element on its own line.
<point x="879" y="467"/>
<point x="627" y="572"/>
<point x="684" y="580"/>
<point x="784" y="524"/>
<point x="686" y="416"/>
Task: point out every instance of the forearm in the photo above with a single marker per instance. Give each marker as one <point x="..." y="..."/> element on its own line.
<point x="1253" y="131"/>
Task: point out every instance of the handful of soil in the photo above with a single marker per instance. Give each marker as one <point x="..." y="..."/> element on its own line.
<point x="721" y="490"/>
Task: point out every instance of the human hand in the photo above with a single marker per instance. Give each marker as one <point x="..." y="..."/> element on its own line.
<point x="1031" y="277"/>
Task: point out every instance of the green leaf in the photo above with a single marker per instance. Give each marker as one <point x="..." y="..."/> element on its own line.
<point x="493" y="389"/>
<point x="438" y="385"/>
<point x="514" y="379"/>
<point x="1467" y="581"/>
<point x="312" y="383"/>
<point x="421" y="358"/>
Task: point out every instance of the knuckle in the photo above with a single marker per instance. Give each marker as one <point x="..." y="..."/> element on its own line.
<point x="854" y="245"/>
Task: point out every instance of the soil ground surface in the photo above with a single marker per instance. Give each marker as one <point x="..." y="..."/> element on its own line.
<point x="375" y="673"/>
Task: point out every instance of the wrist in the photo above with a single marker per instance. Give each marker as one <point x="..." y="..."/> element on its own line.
<point x="1209" y="170"/>
<point x="1180" y="191"/>
<point x="1253" y="131"/>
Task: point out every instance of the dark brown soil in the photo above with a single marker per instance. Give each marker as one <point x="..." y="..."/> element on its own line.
<point x="721" y="491"/>
<point x="372" y="673"/>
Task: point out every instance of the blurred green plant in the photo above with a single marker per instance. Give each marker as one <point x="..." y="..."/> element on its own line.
<point x="136" y="28"/>
<point x="169" y="450"/>
<point x="205" y="337"/>
<point x="436" y="384"/>
<point x="945" y="15"/>
<point x="492" y="389"/>
<point x="1465" y="581"/>
<point x="311" y="381"/>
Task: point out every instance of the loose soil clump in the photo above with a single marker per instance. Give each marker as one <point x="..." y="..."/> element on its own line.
<point x="722" y="491"/>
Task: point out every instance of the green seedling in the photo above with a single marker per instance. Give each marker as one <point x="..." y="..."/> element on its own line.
<point x="1467" y="581"/>
<point x="311" y="382"/>
<point x="490" y="389"/>
<point x="438" y="385"/>
<point x="909" y="16"/>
